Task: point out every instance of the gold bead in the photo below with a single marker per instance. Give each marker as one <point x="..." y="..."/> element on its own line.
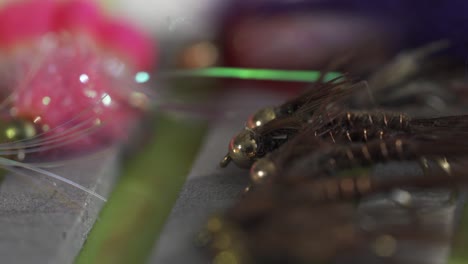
<point x="262" y="170"/>
<point x="17" y="130"/>
<point x="243" y="149"/>
<point x="261" y="117"/>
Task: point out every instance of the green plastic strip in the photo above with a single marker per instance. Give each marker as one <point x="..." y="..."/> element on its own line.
<point x="255" y="74"/>
<point x="459" y="254"/>
<point x="131" y="221"/>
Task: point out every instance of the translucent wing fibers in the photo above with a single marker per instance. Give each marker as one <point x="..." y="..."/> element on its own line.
<point x="11" y="163"/>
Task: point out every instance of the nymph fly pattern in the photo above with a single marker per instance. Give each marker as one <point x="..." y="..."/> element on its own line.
<point x="275" y="124"/>
<point x="317" y="160"/>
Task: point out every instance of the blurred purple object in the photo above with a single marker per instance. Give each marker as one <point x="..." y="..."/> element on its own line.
<point x="418" y="21"/>
<point x="312" y="31"/>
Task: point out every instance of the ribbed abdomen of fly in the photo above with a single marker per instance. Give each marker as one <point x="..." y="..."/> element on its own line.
<point x="360" y="126"/>
<point x="382" y="131"/>
<point x="367" y="154"/>
<point x="342" y="157"/>
<point x="351" y="127"/>
<point x="354" y="186"/>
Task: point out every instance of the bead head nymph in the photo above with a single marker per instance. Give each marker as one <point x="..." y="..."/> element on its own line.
<point x="261" y="170"/>
<point x="261" y="117"/>
<point x="242" y="150"/>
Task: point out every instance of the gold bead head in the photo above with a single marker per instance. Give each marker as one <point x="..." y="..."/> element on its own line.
<point x="17" y="130"/>
<point x="261" y="117"/>
<point x="262" y="170"/>
<point x="243" y="149"/>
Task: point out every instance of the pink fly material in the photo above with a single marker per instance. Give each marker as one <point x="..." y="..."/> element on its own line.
<point x="69" y="82"/>
<point x="67" y="73"/>
<point x="74" y="71"/>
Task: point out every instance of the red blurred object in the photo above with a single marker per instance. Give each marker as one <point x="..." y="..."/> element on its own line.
<point x="74" y="71"/>
<point x="71" y="81"/>
<point x="23" y="21"/>
<point x="78" y="15"/>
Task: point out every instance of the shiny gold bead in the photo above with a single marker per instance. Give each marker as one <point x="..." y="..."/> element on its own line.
<point x="262" y="170"/>
<point x="243" y="149"/>
<point x="17" y="130"/>
<point x="261" y="117"/>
